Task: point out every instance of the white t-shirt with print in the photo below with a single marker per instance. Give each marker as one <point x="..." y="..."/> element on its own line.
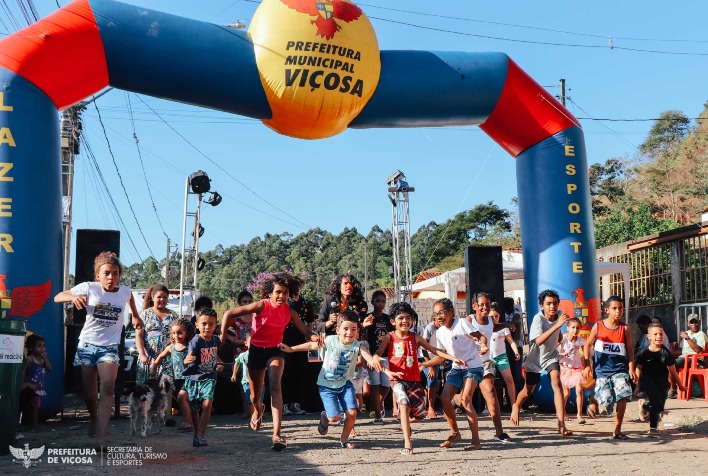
<point x="457" y="341"/>
<point x="497" y="346"/>
<point x="486" y="330"/>
<point x="104" y="313"/>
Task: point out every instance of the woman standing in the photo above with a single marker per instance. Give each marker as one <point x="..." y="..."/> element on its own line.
<point x="152" y="339"/>
<point x="344" y="294"/>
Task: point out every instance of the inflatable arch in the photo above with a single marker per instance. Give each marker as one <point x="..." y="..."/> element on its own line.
<point x="306" y="68"/>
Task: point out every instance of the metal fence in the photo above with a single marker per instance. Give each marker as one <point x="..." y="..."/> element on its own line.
<point x="653" y="273"/>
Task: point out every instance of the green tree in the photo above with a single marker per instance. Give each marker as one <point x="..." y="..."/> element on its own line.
<point x="625" y="225"/>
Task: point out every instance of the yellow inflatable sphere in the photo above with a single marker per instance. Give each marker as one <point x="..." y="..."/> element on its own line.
<point x="319" y="64"/>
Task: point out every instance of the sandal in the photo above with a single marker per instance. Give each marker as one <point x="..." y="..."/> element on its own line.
<point x="565" y="432"/>
<point x="279" y="443"/>
<point x="452" y="439"/>
<point x="321" y="428"/>
<point x="591" y="411"/>
<point x="407" y="451"/>
<point x="347" y="445"/>
<point x="620" y="436"/>
<point x="472" y="447"/>
<point x="256" y="424"/>
<point x="581" y="421"/>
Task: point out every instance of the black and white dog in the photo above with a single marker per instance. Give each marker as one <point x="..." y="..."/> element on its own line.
<point x="149" y="399"/>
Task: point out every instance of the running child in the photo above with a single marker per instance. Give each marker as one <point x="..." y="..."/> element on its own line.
<point x="457" y="337"/>
<point x="401" y="347"/>
<point x="613" y="362"/>
<point x="200" y="374"/>
<point x="272" y="314"/>
<point x="497" y="349"/>
<point x="182" y="333"/>
<point x="34" y="366"/>
<point x="543" y="355"/>
<point x="571" y="363"/>
<point x="376" y="326"/>
<point x="97" y="351"/>
<point x="654" y="364"/>
<point x="481" y="322"/>
<point x="338" y="369"/>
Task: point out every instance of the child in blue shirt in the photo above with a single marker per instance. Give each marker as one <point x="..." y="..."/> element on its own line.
<point x="200" y="374"/>
<point x="335" y="378"/>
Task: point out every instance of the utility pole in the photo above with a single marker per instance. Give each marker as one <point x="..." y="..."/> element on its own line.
<point x="167" y="265"/>
<point x="70" y="131"/>
<point x="562" y="93"/>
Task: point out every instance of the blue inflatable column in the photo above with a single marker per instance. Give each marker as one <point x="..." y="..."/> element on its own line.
<point x="30" y="221"/>
<point x="556" y="224"/>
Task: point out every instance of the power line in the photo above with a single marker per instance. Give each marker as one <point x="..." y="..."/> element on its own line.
<point x="528" y="27"/>
<point x="622" y="139"/>
<point x="220" y="167"/>
<point x="142" y="165"/>
<point x="120" y="178"/>
<point x="107" y="192"/>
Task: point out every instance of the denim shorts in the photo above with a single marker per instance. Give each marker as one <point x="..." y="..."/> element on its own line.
<point x="431" y="382"/>
<point x="247" y="391"/>
<point x="334" y="400"/>
<point x="89" y="355"/>
<point x="457" y="377"/>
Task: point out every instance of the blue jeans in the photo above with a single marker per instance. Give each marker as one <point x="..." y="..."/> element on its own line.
<point x="336" y="400"/>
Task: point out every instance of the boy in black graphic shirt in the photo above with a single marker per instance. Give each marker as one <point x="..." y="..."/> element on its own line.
<point x="653" y="366"/>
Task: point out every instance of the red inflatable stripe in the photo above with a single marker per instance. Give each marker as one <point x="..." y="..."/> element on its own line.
<point x="526" y="114"/>
<point x="61" y="54"/>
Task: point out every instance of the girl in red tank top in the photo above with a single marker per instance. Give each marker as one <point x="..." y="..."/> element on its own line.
<point x="272" y="314"/>
<point x="401" y="347"/>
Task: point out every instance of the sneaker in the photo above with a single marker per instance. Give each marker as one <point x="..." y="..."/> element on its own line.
<point x="342" y="417"/>
<point x="286" y="410"/>
<point x="653" y="433"/>
<point x="378" y="421"/>
<point x="485" y="412"/>
<point x="671" y="394"/>
<point x="296" y="410"/>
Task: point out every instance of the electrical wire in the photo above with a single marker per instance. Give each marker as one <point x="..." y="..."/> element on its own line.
<point x="459" y="208"/>
<point x="221" y="168"/>
<point x="120" y="178"/>
<point x="142" y="165"/>
<point x="622" y="139"/>
<point x="106" y="191"/>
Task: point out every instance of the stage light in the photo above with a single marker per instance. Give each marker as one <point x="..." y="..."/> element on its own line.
<point x="199" y="182"/>
<point x="214" y="199"/>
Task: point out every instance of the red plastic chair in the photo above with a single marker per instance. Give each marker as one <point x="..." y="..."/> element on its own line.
<point x="700" y="374"/>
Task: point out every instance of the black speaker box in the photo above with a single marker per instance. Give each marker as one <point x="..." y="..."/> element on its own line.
<point x="485" y="273"/>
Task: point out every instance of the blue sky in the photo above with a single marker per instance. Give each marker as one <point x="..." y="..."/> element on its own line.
<point x="340" y="182"/>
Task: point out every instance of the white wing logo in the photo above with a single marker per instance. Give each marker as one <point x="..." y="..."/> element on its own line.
<point x="26" y="456"/>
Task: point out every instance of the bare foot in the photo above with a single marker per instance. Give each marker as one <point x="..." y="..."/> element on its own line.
<point x="91" y="432"/>
<point x="432" y="415"/>
<point x="472" y="447"/>
<point x="514" y="419"/>
<point x="451" y="440"/>
<point x="581" y="420"/>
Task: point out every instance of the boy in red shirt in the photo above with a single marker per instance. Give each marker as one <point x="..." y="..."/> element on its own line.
<point x="401" y="347"/>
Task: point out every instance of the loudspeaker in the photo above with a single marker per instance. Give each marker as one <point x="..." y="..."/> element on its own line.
<point x="89" y="244"/>
<point x="485" y="273"/>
